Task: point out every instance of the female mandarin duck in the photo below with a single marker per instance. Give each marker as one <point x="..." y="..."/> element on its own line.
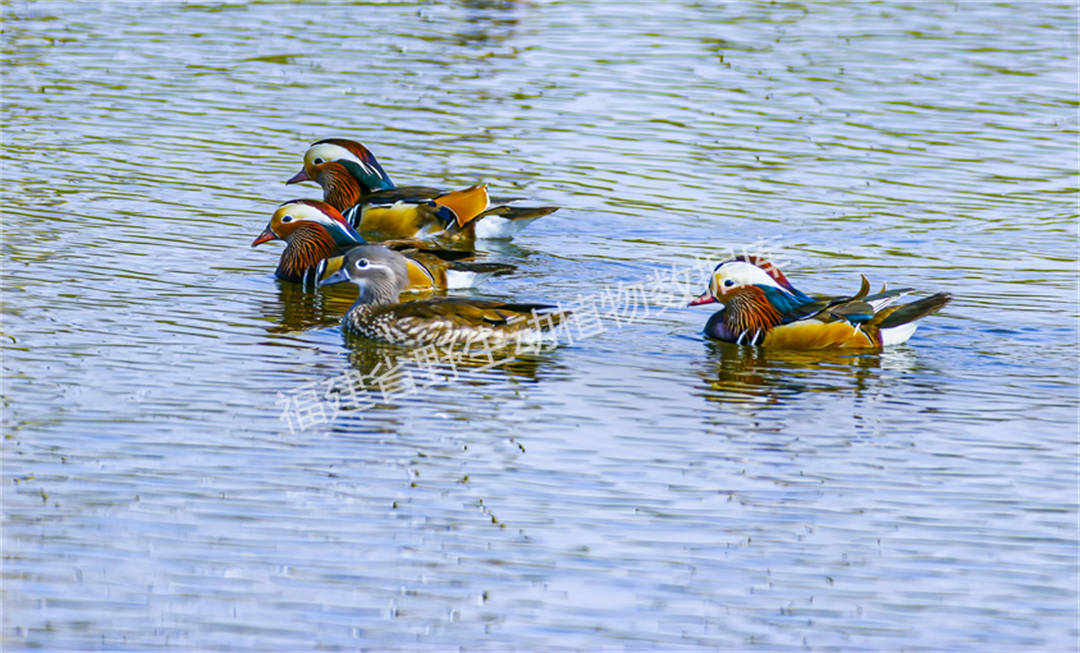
<point x="381" y="276"/>
<point x="761" y="307"/>
<point x="354" y="183"/>
<point x="317" y="236"/>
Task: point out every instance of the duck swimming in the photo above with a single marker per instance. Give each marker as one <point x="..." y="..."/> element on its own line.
<point x="381" y="275"/>
<point x="356" y="184"/>
<point x="762" y="308"/>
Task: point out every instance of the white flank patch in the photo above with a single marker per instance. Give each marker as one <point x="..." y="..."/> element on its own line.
<point x="495" y="227"/>
<point x="898" y="334"/>
<point x="457" y="279"/>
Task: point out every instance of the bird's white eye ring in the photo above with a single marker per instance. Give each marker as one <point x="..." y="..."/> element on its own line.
<point x="362" y="263"/>
<point x="286" y="218"/>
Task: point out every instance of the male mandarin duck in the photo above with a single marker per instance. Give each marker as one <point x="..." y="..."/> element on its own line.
<point x="761" y="307"/>
<point x="316" y="237"/>
<point x="354" y="183"/>
<point x="381" y="276"/>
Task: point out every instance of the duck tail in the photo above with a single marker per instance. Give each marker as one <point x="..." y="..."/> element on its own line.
<point x="466" y="274"/>
<point x="912" y="311"/>
<point x="483" y="268"/>
<point x="499" y="201"/>
<point x="895" y="325"/>
<point x="519" y="212"/>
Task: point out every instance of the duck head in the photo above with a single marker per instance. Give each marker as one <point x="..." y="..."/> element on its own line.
<point x="297" y="217"/>
<point x="381" y="274"/>
<point x="756" y="297"/>
<point x="355" y="160"/>
<point x="741" y="272"/>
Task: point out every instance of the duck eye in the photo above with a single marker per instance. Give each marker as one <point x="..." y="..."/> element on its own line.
<point x="362" y="263"/>
<point x="286" y="218"/>
<point x="318" y="160"/>
<point x="729" y="283"/>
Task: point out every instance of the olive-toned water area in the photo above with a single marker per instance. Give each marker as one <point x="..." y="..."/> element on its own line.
<point x="173" y="478"/>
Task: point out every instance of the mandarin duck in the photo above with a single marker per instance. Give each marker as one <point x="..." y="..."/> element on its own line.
<point x="381" y="276"/>
<point x="761" y="307"/>
<point x="316" y="237"/>
<point x="354" y="183"/>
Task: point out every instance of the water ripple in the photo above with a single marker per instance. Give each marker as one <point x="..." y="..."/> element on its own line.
<point x="640" y="488"/>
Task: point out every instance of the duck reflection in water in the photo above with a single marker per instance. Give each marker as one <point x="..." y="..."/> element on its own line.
<point x="390" y="377"/>
<point x="296" y="309"/>
<point x="487" y="22"/>
<point x="754" y="379"/>
<point x="745" y="374"/>
<point x="434" y="367"/>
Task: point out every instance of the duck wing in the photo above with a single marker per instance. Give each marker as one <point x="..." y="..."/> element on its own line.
<point x="470" y="312"/>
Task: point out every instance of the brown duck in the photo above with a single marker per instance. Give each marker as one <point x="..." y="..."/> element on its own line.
<point x="381" y="274"/>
